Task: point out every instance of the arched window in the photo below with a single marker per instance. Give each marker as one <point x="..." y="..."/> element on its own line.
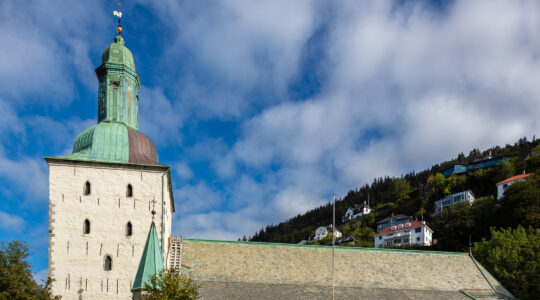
<point x="87" y="188"/>
<point x="129" y="191"/>
<point x="129" y="229"/>
<point x="86" y="227"/>
<point x="108" y="263"/>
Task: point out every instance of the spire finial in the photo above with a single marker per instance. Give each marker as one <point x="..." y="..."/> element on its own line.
<point x="153" y="210"/>
<point x="119" y="15"/>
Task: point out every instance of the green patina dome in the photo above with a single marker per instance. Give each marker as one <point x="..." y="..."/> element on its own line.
<point x="117" y="53"/>
<point x="114" y="142"/>
<point x="116" y="137"/>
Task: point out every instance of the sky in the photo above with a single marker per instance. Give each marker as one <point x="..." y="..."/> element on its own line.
<point x="263" y="109"/>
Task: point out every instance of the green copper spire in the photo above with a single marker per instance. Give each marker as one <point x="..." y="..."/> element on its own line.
<point x="118" y="93"/>
<point x="116" y="137"/>
<point x="151" y="260"/>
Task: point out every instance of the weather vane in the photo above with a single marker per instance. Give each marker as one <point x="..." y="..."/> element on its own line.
<point x="119" y="15"/>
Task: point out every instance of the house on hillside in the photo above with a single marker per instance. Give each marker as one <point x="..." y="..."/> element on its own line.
<point x="486" y="162"/>
<point x="501" y="186"/>
<point x="322" y="232"/>
<point x="409" y="233"/>
<point x="393" y="220"/>
<point x="356" y="212"/>
<point x="454" y="199"/>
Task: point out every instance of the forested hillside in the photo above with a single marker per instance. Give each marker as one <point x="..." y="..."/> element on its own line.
<point x="505" y="231"/>
<point x="415" y="193"/>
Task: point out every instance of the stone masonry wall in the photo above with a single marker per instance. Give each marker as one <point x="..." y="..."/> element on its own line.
<point x="76" y="260"/>
<point x="278" y="264"/>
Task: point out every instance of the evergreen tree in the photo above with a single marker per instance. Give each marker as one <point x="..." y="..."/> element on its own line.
<point x="16" y="280"/>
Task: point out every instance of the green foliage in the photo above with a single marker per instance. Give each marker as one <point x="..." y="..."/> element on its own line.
<point x="326" y="240"/>
<point x="484" y="214"/>
<point x="521" y="204"/>
<point x="169" y="285"/>
<point x="16" y="280"/>
<point x="452" y="227"/>
<point x="513" y="257"/>
<point x="400" y="189"/>
<point x="533" y="163"/>
<point x="364" y="244"/>
<point x="420" y="213"/>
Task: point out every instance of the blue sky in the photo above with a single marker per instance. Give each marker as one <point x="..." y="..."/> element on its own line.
<point x="263" y="109"/>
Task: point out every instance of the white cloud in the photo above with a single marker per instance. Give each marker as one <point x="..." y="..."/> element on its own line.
<point x="160" y="118"/>
<point x="403" y="87"/>
<point x="41" y="44"/>
<point x="11" y="222"/>
<point x="235" y="48"/>
<point x="28" y="175"/>
<point x="398" y="87"/>
<point x="183" y="171"/>
<point x="196" y="198"/>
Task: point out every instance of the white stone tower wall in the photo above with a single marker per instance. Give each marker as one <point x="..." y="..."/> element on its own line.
<point x="76" y="260"/>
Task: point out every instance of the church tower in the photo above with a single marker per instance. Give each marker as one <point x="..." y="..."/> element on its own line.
<point x="101" y="195"/>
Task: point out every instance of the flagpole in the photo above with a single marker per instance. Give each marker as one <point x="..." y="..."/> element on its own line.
<point x="333" y="244"/>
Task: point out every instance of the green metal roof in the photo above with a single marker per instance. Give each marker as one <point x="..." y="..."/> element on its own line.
<point x="117" y="53"/>
<point x="151" y="260"/>
<point x="102" y="142"/>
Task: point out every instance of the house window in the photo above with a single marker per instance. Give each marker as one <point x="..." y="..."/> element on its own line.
<point x="505" y="186"/>
<point x="86" y="227"/>
<point x="108" y="263"/>
<point x="418" y="239"/>
<point x="87" y="189"/>
<point x="129" y="229"/>
<point x="418" y="229"/>
<point x="129" y="191"/>
<point x="406" y="240"/>
<point x="380" y="237"/>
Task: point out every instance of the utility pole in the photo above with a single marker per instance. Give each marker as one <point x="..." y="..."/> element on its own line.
<point x="333" y="245"/>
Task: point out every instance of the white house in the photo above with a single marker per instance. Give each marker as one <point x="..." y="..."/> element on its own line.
<point x="501" y="186"/>
<point x="356" y="212"/>
<point x="393" y="220"/>
<point x="453" y="199"/>
<point x="410" y="233"/>
<point x="323" y="231"/>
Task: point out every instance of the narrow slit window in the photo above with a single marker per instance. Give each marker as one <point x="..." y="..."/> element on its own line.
<point x="108" y="263"/>
<point x="129" y="229"/>
<point x="86" y="226"/>
<point x="129" y="191"/>
<point x="87" y="188"/>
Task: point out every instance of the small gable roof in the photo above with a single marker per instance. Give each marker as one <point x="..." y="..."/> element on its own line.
<point x="520" y="176"/>
<point x="151" y="260"/>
